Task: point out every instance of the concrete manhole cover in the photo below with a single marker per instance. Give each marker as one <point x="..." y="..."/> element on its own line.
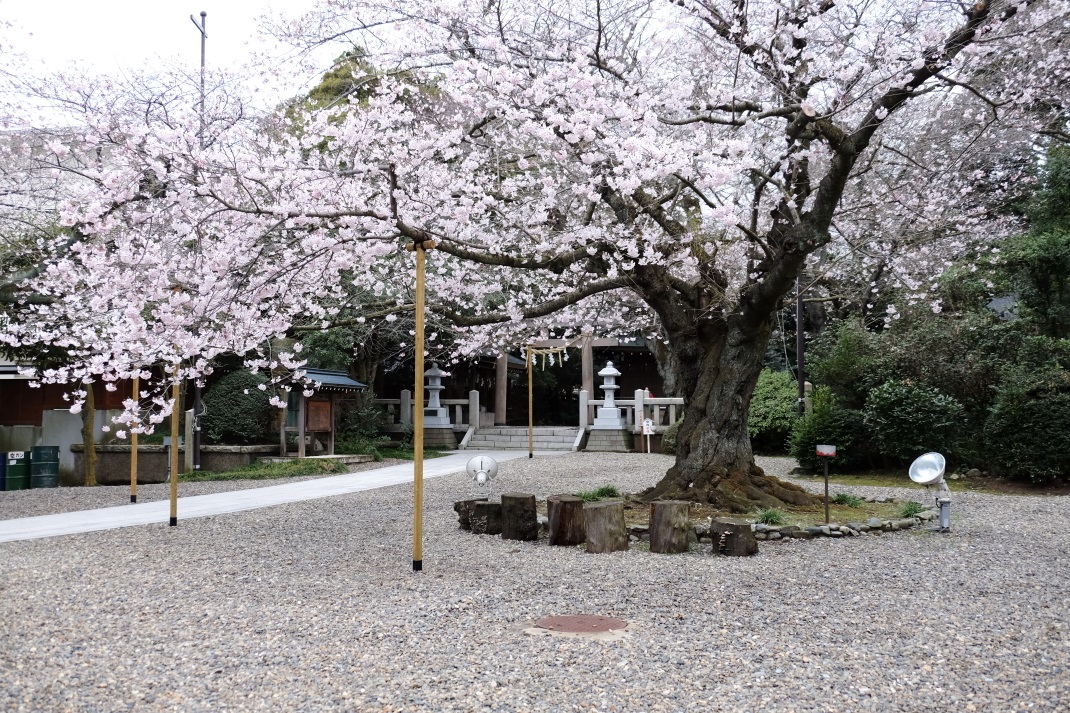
<point x="580" y="625"/>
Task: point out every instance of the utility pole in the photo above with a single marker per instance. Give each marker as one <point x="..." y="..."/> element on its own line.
<point x="197" y="406"/>
<point x="204" y="36"/>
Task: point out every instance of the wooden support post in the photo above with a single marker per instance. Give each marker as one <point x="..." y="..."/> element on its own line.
<point x="302" y="410"/>
<point x="733" y="537"/>
<point x="670" y="525"/>
<point x="604" y="523"/>
<point x="566" y="520"/>
<point x="463" y="508"/>
<point x="175" y="411"/>
<point x="333" y="423"/>
<point x="587" y="365"/>
<point x="519" y="519"/>
<point x="486" y="518"/>
<point x="531" y="412"/>
<point x="133" y="444"/>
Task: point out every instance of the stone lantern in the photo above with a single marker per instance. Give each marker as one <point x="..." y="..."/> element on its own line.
<point x="609" y="417"/>
<point x="435" y="415"/>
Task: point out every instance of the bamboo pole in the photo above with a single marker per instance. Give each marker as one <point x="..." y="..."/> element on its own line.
<point x="531" y="412"/>
<point x="175" y="413"/>
<point x="133" y="445"/>
<point x="418" y="412"/>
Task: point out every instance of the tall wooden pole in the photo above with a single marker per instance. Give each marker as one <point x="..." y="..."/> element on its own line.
<point x="531" y="413"/>
<point x="175" y="413"/>
<point x="418" y="413"/>
<point x="133" y="445"/>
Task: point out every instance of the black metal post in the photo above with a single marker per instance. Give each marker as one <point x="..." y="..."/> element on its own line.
<point x="827" y="491"/>
<point x="800" y="344"/>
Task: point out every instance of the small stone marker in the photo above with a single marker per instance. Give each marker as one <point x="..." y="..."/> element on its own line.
<point x="670" y="525"/>
<point x="733" y="537"/>
<point x="604" y="523"/>
<point x="463" y="508"/>
<point x="565" y="513"/>
<point x="520" y="521"/>
<point x="487" y="518"/>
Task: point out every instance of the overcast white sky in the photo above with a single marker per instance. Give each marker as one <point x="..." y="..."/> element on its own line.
<point x="114" y="35"/>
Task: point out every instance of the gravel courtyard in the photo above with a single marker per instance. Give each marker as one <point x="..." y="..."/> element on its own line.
<point x="313" y="606"/>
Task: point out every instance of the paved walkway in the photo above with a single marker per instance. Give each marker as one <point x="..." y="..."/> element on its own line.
<point x="30" y="528"/>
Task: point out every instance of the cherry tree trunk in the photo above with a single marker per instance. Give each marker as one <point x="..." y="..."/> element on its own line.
<point x="89" y="444"/>
<point x="717" y="369"/>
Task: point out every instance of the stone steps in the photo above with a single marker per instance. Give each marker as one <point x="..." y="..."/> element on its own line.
<point x="545" y="438"/>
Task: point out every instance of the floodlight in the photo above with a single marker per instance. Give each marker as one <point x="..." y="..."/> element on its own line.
<point x="928" y="470"/>
<point x="482" y="469"/>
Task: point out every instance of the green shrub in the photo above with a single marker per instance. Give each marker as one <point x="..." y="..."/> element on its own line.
<point x="771" y="516"/>
<point x="237" y="411"/>
<point x="1025" y="435"/>
<point x="773" y="411"/>
<point x="904" y="420"/>
<point x="668" y="439"/>
<point x="601" y="493"/>
<point x="828" y="423"/>
<point x="851" y="501"/>
<point x="910" y="509"/>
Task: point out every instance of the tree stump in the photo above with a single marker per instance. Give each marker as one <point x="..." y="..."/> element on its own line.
<point x="733" y="537"/>
<point x="486" y="518"/>
<point x="670" y="526"/>
<point x="519" y="519"/>
<point x="463" y="508"/>
<point x="604" y="523"/>
<point x="565" y="513"/>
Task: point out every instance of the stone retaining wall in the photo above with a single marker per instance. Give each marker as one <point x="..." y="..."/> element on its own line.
<point x="873" y="526"/>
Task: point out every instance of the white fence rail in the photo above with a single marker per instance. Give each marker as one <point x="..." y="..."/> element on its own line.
<point x="663" y="412"/>
<point x="399" y="411"/>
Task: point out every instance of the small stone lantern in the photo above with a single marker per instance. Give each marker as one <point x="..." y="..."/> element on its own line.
<point x="609" y="417"/>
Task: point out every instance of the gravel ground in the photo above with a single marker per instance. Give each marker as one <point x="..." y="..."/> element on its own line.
<point x="51" y="501"/>
<point x="312" y="606"/>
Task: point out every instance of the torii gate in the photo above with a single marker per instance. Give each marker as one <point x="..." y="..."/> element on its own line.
<point x="586" y="343"/>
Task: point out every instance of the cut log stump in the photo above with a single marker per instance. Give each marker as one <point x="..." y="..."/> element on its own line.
<point x="733" y="537"/>
<point x="486" y="518"/>
<point x="463" y="508"/>
<point x="604" y="523"/>
<point x="565" y="513"/>
<point x="520" y="521"/>
<point x="670" y="526"/>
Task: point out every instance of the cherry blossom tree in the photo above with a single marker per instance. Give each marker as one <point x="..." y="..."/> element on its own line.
<point x="665" y="168"/>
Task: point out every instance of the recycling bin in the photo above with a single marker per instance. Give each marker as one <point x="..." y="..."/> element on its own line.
<point x="18" y="470"/>
<point x="44" y="467"/>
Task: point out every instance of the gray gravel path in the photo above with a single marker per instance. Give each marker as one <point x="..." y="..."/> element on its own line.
<point x="312" y="606"/>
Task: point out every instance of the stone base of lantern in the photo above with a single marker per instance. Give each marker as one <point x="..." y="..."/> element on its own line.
<point x="606" y="441"/>
<point x="436" y="418"/>
<point x="439" y="438"/>
<point x="609" y="419"/>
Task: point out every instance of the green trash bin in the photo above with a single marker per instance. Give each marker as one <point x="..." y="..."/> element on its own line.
<point x="3" y="472"/>
<point x="18" y="470"/>
<point x="44" y="467"/>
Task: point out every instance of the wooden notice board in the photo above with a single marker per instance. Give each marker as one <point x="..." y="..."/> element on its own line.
<point x="319" y="416"/>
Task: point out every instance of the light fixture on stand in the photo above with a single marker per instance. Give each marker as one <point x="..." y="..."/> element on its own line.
<point x="928" y="470"/>
<point x="482" y="470"/>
